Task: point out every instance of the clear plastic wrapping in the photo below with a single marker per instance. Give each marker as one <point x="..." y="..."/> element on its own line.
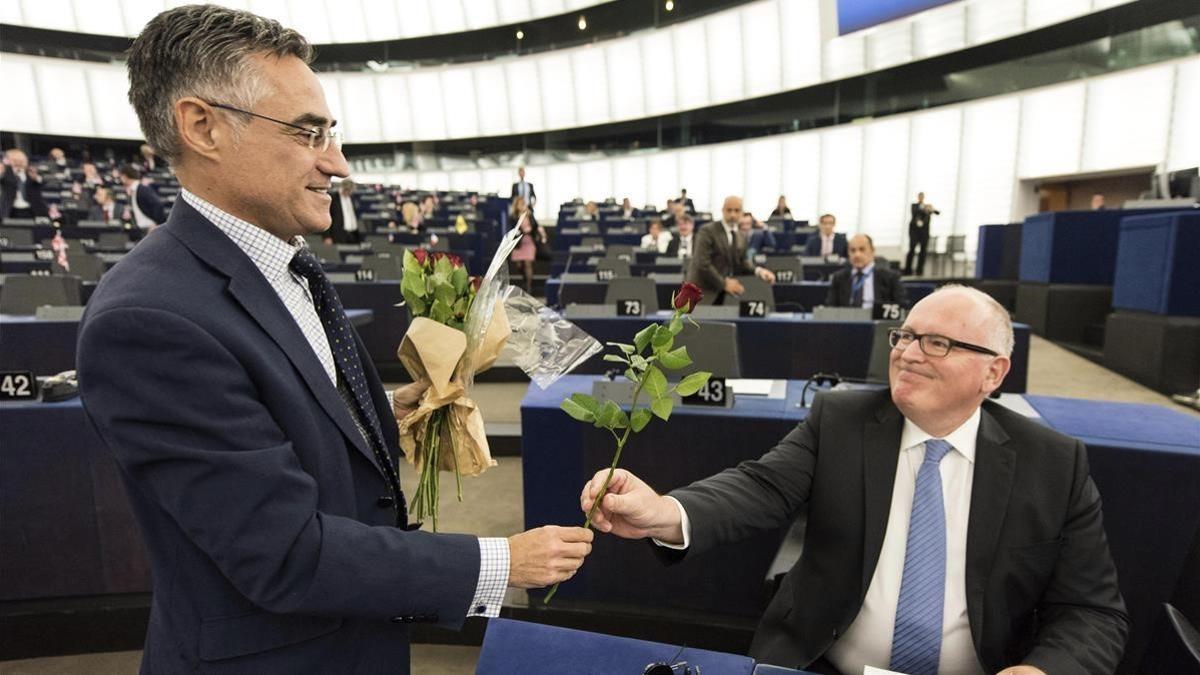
<point x="543" y="344"/>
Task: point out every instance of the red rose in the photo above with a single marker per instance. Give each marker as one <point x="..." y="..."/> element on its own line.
<point x="438" y="255"/>
<point x="476" y="282"/>
<point x="688" y="297"/>
<point x="455" y="260"/>
<point x="420" y="254"/>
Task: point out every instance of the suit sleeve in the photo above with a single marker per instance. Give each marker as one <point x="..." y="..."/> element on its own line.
<point x="833" y="296"/>
<point x="899" y="292"/>
<point x="706" y="273"/>
<point x="209" y="454"/>
<point x="1082" y="623"/>
<point x="756" y="495"/>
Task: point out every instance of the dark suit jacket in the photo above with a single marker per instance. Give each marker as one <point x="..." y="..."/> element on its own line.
<point x="150" y="204"/>
<point x="888" y="287"/>
<point x="918" y="222"/>
<point x="96" y="212"/>
<point x="532" y="193"/>
<point x="1040" y="582"/>
<point x="812" y="245"/>
<point x="337" y="229"/>
<point x="676" y="242"/>
<point x="33" y="193"/>
<point x="258" y="499"/>
<point x="713" y="260"/>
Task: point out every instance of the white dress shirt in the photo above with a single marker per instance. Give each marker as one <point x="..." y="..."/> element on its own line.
<point x="868" y="640"/>
<point x="661" y="244"/>
<point x="19" y="201"/>
<point x="685" y="246"/>
<point x="826" y="245"/>
<point x="272" y="256"/>
<point x="349" y="217"/>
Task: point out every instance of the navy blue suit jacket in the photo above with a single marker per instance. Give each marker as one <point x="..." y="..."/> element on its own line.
<point x="258" y="499"/>
<point x="150" y="204"/>
<point x="812" y="245"/>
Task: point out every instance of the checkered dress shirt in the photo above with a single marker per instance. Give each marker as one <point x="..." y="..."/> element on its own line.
<point x="271" y="255"/>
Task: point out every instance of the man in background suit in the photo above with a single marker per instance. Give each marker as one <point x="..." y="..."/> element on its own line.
<point x="683" y="245"/>
<point x="252" y="432"/>
<point x="864" y="283"/>
<point x="343" y="214"/>
<point x="148" y="211"/>
<point x="105" y="208"/>
<point x="686" y="201"/>
<point x="523" y="188"/>
<point x="719" y="256"/>
<point x="918" y="233"/>
<point x="945" y="534"/>
<point x="825" y="242"/>
<point x="21" y="188"/>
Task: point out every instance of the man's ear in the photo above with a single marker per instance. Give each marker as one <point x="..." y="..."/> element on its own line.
<point x="198" y="127"/>
<point x="996" y="372"/>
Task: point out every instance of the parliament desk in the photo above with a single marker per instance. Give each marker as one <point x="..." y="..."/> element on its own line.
<point x="47" y="346"/>
<point x="536" y="649"/>
<point x="794" y="346"/>
<point x="803" y="295"/>
<point x="1145" y="460"/>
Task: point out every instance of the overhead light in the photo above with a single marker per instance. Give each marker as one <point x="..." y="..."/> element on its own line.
<point x="377" y="66"/>
<point x="582" y="22"/>
<point x="520" y="34"/>
<point x="670" y="5"/>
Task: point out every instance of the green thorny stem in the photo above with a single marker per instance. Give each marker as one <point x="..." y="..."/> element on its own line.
<point x="428" y="492"/>
<point x="608" y="478"/>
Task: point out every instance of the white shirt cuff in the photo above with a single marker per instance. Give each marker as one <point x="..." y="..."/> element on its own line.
<point x="493" y="577"/>
<point x="684" y="524"/>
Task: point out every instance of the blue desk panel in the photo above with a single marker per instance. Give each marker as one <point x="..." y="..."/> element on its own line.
<point x="1156" y="267"/>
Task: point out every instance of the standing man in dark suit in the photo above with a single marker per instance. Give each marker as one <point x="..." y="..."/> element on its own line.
<point x="523" y="188"/>
<point x="148" y="211"/>
<point x="825" y="242"/>
<point x="865" y="284"/>
<point x="252" y="432"/>
<point x="21" y="189"/>
<point x="946" y="534"/>
<point x="918" y="233"/>
<point x="719" y="256"/>
<point x="343" y="214"/>
<point x="686" y="201"/>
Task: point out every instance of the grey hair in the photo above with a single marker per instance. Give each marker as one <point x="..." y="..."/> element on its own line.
<point x="998" y="323"/>
<point x="202" y="51"/>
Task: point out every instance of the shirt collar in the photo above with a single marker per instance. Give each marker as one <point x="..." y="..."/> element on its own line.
<point x="270" y="254"/>
<point x="866" y="271"/>
<point x="963" y="438"/>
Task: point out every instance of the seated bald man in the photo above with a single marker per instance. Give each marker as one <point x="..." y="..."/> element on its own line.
<point x="946" y="533"/>
<point x="865" y="284"/>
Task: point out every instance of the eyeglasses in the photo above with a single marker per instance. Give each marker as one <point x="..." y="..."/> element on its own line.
<point x="318" y="137"/>
<point x="932" y="344"/>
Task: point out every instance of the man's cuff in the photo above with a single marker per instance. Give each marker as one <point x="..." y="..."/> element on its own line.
<point x="493" y="577"/>
<point x="684" y="524"/>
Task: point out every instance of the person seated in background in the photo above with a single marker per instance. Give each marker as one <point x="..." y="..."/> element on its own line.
<point x="588" y="211"/>
<point x="21" y="188"/>
<point x="149" y="160"/>
<point x="147" y="208"/>
<point x="945" y="532"/>
<point x="683" y="245"/>
<point x="627" y="210"/>
<point x="825" y="242"/>
<point x="865" y="284"/>
<point x="105" y="208"/>
<point x="532" y="236"/>
<point x="670" y="217"/>
<point x="1098" y="202"/>
<point x="657" y="237"/>
<point x="428" y="207"/>
<point x="92" y="177"/>
<point x="719" y="256"/>
<point x="410" y="213"/>
<point x="58" y="161"/>
<point x="759" y="238"/>
<point x="343" y="213"/>
<point x="781" y="210"/>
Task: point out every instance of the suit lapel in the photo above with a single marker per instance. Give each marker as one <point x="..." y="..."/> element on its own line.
<point x="248" y="286"/>
<point x="881" y="453"/>
<point x="995" y="462"/>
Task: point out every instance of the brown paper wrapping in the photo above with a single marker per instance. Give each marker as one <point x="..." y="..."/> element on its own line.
<point x="431" y="353"/>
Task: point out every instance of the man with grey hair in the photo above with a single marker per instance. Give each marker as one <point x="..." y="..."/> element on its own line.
<point x="946" y="533"/>
<point x="253" y="434"/>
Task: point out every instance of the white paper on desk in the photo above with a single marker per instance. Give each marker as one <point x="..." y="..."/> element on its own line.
<point x="872" y="670"/>
<point x="758" y="387"/>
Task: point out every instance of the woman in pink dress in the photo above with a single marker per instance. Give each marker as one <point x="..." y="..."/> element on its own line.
<point x="526" y="251"/>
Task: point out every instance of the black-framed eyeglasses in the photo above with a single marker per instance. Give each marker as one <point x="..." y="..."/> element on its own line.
<point x="932" y="344"/>
<point x="318" y="137"/>
<point x="671" y="667"/>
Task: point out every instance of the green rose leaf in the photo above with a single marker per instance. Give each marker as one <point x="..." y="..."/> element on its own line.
<point x="641" y="417"/>
<point x="663" y="339"/>
<point x="586" y="402"/>
<point x="632" y="375"/>
<point x="639" y="362"/>
<point x="460" y="279"/>
<point x="441" y="312"/>
<point x="577" y="411"/>
<point x="643" y="337"/>
<point x="615" y="358"/>
<point x="628" y="349"/>
<point x="662" y="407"/>
<point x="655" y="383"/>
<point x="445" y="293"/>
<point x="692" y="383"/>
<point x="675" y="359"/>
<point x="611" y="416"/>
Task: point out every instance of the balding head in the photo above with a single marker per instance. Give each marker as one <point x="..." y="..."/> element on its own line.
<point x="731" y="211"/>
<point x="17" y="159"/>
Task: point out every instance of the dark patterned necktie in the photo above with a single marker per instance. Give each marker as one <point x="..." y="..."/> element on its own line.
<point x="349" y="367"/>
<point x="856" y="290"/>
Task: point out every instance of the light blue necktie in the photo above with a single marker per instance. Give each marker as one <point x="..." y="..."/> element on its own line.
<point x="917" y="640"/>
